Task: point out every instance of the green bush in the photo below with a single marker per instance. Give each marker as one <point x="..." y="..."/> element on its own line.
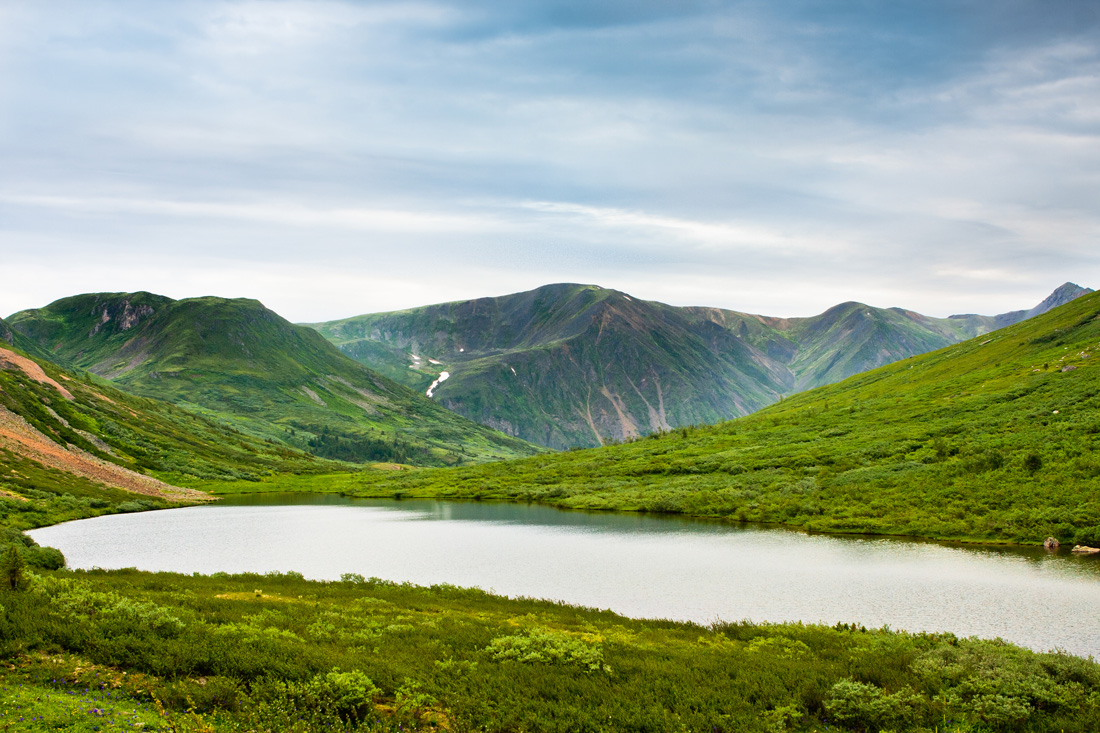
<point x="548" y="647"/>
<point x="1088" y="536"/>
<point x="867" y="708"/>
<point x="48" y="558"/>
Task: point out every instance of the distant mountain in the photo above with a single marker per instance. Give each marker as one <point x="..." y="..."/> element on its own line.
<point x="579" y="365"/>
<point x="995" y="438"/>
<point x="237" y="361"/>
<point x="566" y="365"/>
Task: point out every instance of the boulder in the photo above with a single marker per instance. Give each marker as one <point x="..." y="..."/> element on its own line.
<point x="1085" y="549"/>
<point x="1050" y="543"/>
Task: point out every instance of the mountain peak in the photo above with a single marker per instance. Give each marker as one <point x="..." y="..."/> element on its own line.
<point x="1062" y="294"/>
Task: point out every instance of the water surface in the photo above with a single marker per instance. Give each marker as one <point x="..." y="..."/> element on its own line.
<point x="638" y="565"/>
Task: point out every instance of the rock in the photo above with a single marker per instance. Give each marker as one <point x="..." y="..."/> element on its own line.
<point x="1069" y="368"/>
<point x="1085" y="549"/>
<point x="1050" y="543"/>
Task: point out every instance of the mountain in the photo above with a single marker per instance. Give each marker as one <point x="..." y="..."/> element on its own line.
<point x="237" y="361"/>
<point x="73" y="446"/>
<point x="566" y="364"/>
<point x="17" y="340"/>
<point x="995" y="438"/>
<point x="577" y="365"/>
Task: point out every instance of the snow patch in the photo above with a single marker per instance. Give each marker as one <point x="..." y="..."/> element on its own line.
<point x="442" y="378"/>
<point x="433" y="361"/>
<point x="513" y="370"/>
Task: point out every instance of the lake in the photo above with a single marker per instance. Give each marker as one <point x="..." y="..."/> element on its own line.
<point x="638" y="565"/>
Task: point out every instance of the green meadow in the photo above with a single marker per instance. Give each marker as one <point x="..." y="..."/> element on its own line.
<point x="125" y="649"/>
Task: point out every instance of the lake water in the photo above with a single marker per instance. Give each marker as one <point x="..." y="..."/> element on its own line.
<point x="641" y="566"/>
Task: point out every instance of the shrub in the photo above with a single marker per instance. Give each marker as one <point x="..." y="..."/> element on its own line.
<point x="1088" y="536"/>
<point x="866" y="707"/>
<point x="48" y="558"/>
<point x="548" y="647"/>
<point x="12" y="575"/>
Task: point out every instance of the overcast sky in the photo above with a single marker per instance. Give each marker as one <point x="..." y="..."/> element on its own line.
<point x="336" y="158"/>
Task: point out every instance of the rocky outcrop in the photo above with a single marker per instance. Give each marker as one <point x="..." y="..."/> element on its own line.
<point x="1085" y="549"/>
<point x="125" y="316"/>
<point x="1051" y="544"/>
<point x="6" y="334"/>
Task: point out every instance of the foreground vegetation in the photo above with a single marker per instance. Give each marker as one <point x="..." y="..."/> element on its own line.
<point x="105" y="650"/>
<point x="995" y="439"/>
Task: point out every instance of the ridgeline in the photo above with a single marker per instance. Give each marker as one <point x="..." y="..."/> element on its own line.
<point x="577" y="365"/>
<point x="993" y="439"/>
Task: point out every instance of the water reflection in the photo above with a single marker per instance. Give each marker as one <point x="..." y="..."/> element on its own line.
<point x="639" y="565"/>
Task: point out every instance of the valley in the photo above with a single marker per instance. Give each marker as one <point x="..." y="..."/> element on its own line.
<point x="990" y="440"/>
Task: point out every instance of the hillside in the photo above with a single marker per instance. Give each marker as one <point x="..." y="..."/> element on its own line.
<point x="578" y="365"/>
<point x="238" y="362"/>
<point x="73" y="446"/>
<point x="996" y="438"/>
<point x="567" y="364"/>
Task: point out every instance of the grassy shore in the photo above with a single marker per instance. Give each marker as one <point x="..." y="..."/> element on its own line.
<point x="279" y="653"/>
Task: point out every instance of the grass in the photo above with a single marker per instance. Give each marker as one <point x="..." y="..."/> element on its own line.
<point x="277" y="652"/>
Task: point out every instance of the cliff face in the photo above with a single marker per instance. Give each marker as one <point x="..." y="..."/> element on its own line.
<point x="5" y="333"/>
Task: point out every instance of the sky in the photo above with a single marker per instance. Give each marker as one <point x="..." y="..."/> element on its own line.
<point x="335" y="158"/>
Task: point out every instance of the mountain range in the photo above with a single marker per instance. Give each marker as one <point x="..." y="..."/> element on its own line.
<point x="991" y="438"/>
<point x="995" y="438"/>
<point x="570" y="365"/>
<point x="235" y="361"/>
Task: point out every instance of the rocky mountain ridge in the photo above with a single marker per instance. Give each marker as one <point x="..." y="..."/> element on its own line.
<point x="578" y="365"/>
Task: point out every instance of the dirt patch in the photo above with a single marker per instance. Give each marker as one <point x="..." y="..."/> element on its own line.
<point x="312" y="395"/>
<point x="12" y="360"/>
<point x="22" y="438"/>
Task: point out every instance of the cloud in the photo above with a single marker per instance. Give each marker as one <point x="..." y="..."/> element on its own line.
<point x="280" y="213"/>
<point x="771" y="157"/>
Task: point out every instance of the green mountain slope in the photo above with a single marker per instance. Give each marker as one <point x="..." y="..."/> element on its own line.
<point x="237" y="361"/>
<point x="577" y="365"/>
<point x="73" y="446"/>
<point x="566" y="365"/>
<point x="13" y="338"/>
<point x="994" y="438"/>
